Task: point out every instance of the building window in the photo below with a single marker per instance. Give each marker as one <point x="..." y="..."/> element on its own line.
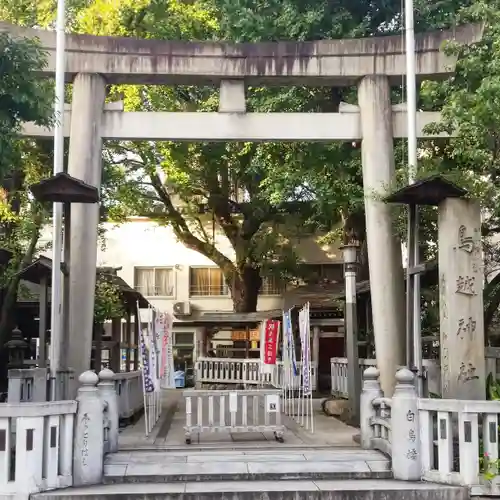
<point x="272" y="285"/>
<point x="207" y="281"/>
<point x="154" y="281"/>
<point x="321" y="273"/>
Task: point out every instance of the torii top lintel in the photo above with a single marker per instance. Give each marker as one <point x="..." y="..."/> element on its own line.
<point x="325" y="62"/>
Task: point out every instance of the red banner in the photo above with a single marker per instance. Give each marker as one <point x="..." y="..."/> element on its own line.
<point x="270" y="341"/>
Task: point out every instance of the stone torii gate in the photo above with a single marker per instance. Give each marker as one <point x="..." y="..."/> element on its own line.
<point x="373" y="64"/>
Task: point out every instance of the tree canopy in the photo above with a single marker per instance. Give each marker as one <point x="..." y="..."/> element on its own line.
<point x="266" y="197"/>
<point x="23" y="97"/>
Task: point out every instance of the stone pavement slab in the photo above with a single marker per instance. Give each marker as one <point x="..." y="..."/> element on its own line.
<point x="288" y="457"/>
<point x="312" y="468"/>
<point x="380" y="489"/>
<point x="252" y="465"/>
<point x="169" y="431"/>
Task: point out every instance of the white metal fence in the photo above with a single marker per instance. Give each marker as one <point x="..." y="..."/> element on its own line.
<point x="230" y="371"/>
<point x="212" y="411"/>
<point x="245" y="372"/>
<point x="36" y="446"/>
<point x="338" y="371"/>
<point x="130" y="393"/>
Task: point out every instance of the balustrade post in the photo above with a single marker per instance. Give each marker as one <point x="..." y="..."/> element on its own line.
<point x="371" y="390"/>
<point x="405" y="430"/>
<point x="198" y="373"/>
<point x="107" y="392"/>
<point x="88" y="448"/>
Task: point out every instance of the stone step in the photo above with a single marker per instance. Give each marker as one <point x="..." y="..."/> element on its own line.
<point x="382" y="489"/>
<point x="253" y="465"/>
<point x="234" y="446"/>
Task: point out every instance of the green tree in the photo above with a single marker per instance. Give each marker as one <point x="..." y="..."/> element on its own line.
<point x="246" y="190"/>
<point x="23" y="97"/>
<point x="108" y="300"/>
<point x="470" y="108"/>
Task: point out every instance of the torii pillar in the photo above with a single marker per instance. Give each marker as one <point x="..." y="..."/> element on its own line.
<point x="384" y="249"/>
<point x="85" y="163"/>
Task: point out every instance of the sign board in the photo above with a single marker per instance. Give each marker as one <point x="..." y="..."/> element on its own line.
<point x="272" y="403"/>
<point x="253" y="335"/>
<point x="271" y="330"/>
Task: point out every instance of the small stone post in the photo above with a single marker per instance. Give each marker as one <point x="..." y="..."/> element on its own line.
<point x="405" y="439"/>
<point x="107" y="391"/>
<point x="88" y="449"/>
<point x="371" y="390"/>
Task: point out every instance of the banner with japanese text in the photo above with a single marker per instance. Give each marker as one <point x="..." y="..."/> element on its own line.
<point x="166" y="351"/>
<point x="271" y="331"/>
<point x="305" y="340"/>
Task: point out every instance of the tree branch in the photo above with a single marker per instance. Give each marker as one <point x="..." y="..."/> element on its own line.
<point x="185" y="235"/>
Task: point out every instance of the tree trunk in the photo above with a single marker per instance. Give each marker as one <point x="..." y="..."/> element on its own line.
<point x="245" y="289"/>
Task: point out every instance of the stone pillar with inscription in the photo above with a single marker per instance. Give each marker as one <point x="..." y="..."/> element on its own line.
<point x="88" y="449"/>
<point x="461" y="300"/>
<point x="405" y="428"/>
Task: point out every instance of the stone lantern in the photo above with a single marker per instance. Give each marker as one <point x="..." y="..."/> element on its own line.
<point x="17" y="348"/>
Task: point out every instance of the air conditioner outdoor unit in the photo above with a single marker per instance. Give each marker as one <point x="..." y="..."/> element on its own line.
<point x="182" y="308"/>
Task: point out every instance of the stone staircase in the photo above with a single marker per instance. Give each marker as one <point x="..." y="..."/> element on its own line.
<point x="250" y="473"/>
<point x="245" y="464"/>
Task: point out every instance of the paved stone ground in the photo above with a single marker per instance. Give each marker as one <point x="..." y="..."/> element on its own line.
<point x="256" y="490"/>
<point x="169" y="433"/>
<point x="256" y="464"/>
<point x="163" y="457"/>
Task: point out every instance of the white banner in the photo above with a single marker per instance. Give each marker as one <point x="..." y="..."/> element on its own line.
<point x="150" y="339"/>
<point x="305" y="340"/>
<point x="152" y="400"/>
<point x="166" y="350"/>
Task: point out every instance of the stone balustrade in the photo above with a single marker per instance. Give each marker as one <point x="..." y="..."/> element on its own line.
<point x="27" y="385"/>
<point x="451" y="432"/>
<point x="245" y="372"/>
<point x="439" y="440"/>
<point x="36" y="446"/>
<point x="57" y="444"/>
<point x="391" y="424"/>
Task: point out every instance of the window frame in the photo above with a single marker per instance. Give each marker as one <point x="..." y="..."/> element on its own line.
<point x="155" y="268"/>
<point x="226" y="292"/>
<point x="271" y="293"/>
<point x="323" y="270"/>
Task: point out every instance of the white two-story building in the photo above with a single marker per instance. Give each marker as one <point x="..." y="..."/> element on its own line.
<point x="189" y="286"/>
